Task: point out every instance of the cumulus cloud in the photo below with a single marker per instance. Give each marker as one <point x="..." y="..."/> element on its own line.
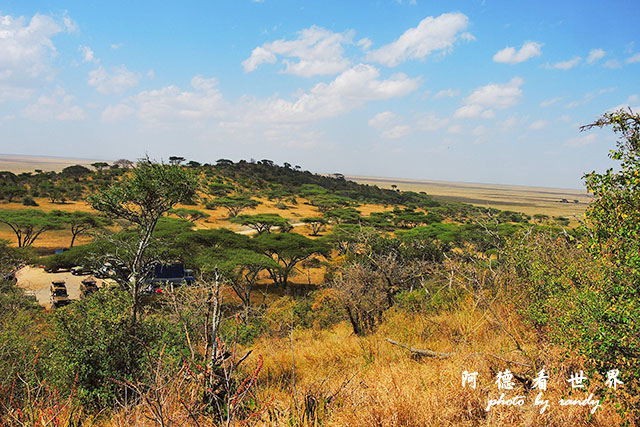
<point x="509" y="55"/>
<point x="116" y="80"/>
<point x="447" y="93"/>
<point x="166" y="105"/>
<point x="431" y="34"/>
<point x="564" y="65"/>
<point x="316" y="51"/>
<point x="57" y="106"/>
<point x="352" y="88"/>
<point x="26" y="48"/>
<point x="396" y="132"/>
<point x="595" y="55"/>
<point x="430" y="122"/>
<point x="88" y="55"/>
<point x="382" y="119"/>
<point x="485" y="99"/>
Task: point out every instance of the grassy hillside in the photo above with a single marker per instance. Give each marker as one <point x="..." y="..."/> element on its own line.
<point x="317" y="301"/>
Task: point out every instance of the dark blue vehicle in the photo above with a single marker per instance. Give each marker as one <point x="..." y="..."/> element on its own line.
<point x="168" y="274"/>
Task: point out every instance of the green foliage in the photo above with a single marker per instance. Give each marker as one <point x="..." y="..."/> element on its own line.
<point x="28" y="201"/>
<point x="192" y="215"/>
<point x="316" y="224"/>
<point x="343" y="215"/>
<point x="234" y="204"/>
<point x="94" y="347"/>
<point x="614" y="215"/>
<point x="262" y="223"/>
<point x="29" y="224"/>
<point x="287" y="250"/>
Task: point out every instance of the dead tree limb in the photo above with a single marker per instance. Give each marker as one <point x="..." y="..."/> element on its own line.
<point x="416" y="352"/>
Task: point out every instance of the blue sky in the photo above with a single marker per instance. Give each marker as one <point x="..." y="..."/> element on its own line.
<point x="477" y="91"/>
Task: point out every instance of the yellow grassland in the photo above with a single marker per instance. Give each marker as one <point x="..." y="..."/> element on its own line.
<point x="529" y="200"/>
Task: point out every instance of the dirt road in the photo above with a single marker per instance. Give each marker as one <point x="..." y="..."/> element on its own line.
<point x="39" y="281"/>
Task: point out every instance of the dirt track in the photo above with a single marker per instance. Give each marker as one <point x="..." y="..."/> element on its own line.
<point x="37" y="280"/>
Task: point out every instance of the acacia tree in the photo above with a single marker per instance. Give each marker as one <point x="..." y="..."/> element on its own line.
<point x="240" y="268"/>
<point x="143" y="197"/>
<point x="100" y="165"/>
<point x="234" y="204"/>
<point x="80" y="222"/>
<point x="191" y="215"/>
<point x="316" y="223"/>
<point x="29" y="224"/>
<point x="287" y="250"/>
<point x="263" y="223"/>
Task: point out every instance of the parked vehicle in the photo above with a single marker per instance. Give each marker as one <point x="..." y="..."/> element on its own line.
<point x="88" y="287"/>
<point x="80" y="270"/>
<point x="164" y="275"/>
<point x="59" y="295"/>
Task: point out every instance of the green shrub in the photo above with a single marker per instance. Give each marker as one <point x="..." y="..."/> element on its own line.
<point x="28" y="201"/>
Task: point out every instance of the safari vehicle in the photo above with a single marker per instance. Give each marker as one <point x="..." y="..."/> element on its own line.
<point x="166" y="275"/>
<point x="59" y="295"/>
<point x="80" y="270"/>
<point x="87" y="288"/>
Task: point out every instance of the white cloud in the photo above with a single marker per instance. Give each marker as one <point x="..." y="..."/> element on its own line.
<point x="115" y="46"/>
<point x="612" y="64"/>
<point x="318" y="52"/>
<point x="430" y="122"/>
<point x="564" y="65"/>
<point x="69" y="24"/>
<point x="59" y="106"/>
<point x="169" y="104"/>
<point x="509" y="55"/>
<point x="633" y="59"/>
<point x="26" y="48"/>
<point x="480" y="130"/>
<point x="431" y="34"/>
<point x="484" y="99"/>
<point x="550" y="101"/>
<point x="581" y="141"/>
<point x="454" y="129"/>
<point x="364" y="43"/>
<point x="447" y="93"/>
<point x="88" y="55"/>
<point x="115" y="81"/>
<point x="538" y="125"/>
<point x="382" y="119"/>
<point x="396" y="132"/>
<point x="349" y="90"/>
<point x="468" y="111"/>
<point x="595" y="55"/>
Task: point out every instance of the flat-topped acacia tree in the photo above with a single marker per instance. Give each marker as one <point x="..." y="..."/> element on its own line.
<point x="287" y="250"/>
<point x="234" y="204"/>
<point x="29" y="224"/>
<point x="80" y="222"/>
<point x="142" y="197"/>
<point x="263" y="223"/>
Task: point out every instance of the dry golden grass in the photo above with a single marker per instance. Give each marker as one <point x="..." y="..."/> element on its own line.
<point x="345" y="380"/>
<point x="389" y="388"/>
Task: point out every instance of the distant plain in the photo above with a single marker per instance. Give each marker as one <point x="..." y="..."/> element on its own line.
<point x="529" y="200"/>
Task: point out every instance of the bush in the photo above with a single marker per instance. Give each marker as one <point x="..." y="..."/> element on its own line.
<point x="94" y="346"/>
<point x="28" y="201"/>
